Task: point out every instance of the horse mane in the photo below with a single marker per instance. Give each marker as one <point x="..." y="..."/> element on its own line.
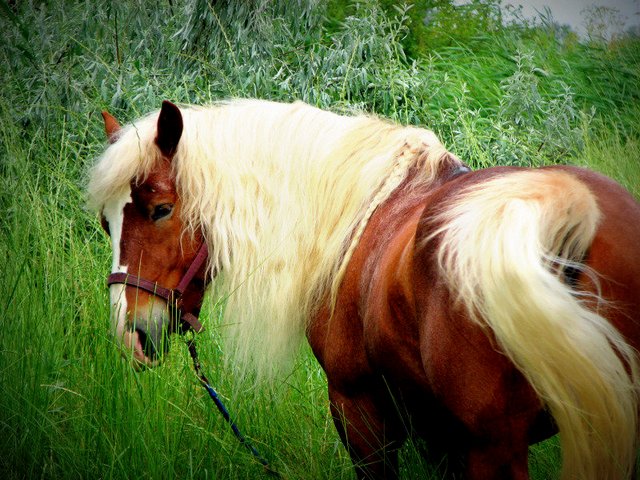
<point x="282" y="193"/>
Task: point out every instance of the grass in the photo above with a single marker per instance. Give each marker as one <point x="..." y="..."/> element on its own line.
<point x="70" y="407"/>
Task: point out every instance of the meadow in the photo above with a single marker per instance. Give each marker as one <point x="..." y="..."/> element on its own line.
<point x="496" y="92"/>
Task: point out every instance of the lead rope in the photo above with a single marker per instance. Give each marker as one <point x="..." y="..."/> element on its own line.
<point x="191" y="344"/>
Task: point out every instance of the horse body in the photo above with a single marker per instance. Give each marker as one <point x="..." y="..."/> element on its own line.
<point x="478" y="310"/>
<point x="418" y="365"/>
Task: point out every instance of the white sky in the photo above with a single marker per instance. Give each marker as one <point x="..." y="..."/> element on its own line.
<point x="569" y="11"/>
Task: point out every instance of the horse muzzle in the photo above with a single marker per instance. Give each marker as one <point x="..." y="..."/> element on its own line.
<point x="143" y="331"/>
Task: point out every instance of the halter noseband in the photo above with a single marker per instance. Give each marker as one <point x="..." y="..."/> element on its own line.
<point x="170" y="295"/>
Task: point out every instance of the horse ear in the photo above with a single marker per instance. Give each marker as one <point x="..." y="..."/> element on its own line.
<point x="169" y="128"/>
<point x="111" y="126"/>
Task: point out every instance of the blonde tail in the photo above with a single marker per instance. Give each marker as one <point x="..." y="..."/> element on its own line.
<point x="505" y="244"/>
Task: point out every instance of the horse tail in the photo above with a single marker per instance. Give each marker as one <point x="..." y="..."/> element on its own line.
<point x="510" y="249"/>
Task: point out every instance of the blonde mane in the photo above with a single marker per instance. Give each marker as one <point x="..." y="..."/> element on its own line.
<point x="282" y="193"/>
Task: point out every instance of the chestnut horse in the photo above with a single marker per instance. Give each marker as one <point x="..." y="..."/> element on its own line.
<point x="480" y="310"/>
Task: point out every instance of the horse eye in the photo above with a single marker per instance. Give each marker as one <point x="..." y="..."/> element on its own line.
<point x="161" y="211"/>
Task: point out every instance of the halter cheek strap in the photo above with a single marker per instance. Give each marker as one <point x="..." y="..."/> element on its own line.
<point x="170" y="295"/>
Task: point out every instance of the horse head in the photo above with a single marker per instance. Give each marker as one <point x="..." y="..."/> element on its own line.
<point x="159" y="272"/>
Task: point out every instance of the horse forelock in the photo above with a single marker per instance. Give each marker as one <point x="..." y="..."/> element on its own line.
<point x="131" y="155"/>
<point x="282" y="193"/>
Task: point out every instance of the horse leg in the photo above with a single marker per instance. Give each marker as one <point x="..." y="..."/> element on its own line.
<point x="371" y="438"/>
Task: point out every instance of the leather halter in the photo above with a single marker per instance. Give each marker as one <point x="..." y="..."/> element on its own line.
<point x="170" y="295"/>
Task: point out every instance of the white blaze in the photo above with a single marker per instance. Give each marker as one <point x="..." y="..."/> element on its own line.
<point x="113" y="212"/>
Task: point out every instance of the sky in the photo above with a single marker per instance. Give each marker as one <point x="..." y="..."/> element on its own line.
<point x="569" y="11"/>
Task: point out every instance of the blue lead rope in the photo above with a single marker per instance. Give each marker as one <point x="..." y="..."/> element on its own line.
<point x="223" y="410"/>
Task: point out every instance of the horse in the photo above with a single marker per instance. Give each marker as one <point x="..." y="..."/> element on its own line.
<point x="480" y="310"/>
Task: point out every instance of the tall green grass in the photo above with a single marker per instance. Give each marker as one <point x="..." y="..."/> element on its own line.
<point x="70" y="406"/>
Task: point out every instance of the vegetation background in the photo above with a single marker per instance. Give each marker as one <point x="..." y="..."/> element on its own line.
<point x="512" y="92"/>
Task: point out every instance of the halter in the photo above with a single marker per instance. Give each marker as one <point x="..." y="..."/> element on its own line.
<point x="170" y="295"/>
